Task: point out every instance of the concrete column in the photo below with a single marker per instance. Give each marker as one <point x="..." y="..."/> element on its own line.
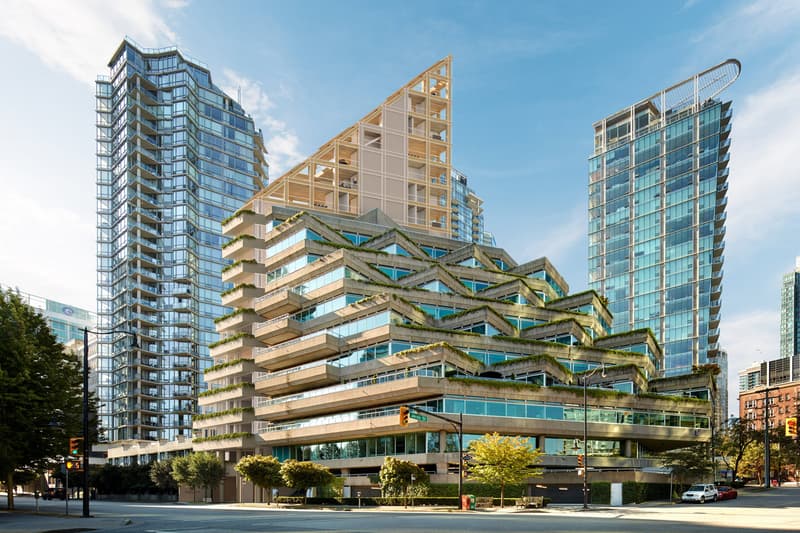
<point x="627" y="448"/>
<point x="442" y="441"/>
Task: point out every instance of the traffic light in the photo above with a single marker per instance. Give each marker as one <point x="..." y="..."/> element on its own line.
<point x="403" y="415"/>
<point x="73" y="464"/>
<point x="75" y="445"/>
<point x="791" y="427"/>
<point x="580" y="461"/>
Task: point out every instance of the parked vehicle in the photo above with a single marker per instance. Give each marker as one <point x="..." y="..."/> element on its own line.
<point x="53" y="492"/>
<point x="726" y="493"/>
<point x="701" y="493"/>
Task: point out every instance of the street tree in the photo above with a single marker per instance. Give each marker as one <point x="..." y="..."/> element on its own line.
<point x="161" y="476"/>
<point x="40" y="393"/>
<point x="208" y="471"/>
<point x="501" y="460"/>
<point x="263" y="471"/>
<point x="402" y="478"/>
<point x="733" y="442"/>
<point x="183" y="475"/>
<point x="752" y="464"/>
<point x="302" y="475"/>
<point x="689" y="464"/>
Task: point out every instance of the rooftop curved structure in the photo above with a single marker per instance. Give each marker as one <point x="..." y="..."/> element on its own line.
<point x="690" y="93"/>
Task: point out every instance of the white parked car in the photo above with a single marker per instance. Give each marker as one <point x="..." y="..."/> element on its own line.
<point x="705" y="492"/>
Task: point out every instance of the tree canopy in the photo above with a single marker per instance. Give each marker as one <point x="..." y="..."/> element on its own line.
<point x="396" y="477"/>
<point x="161" y="476"/>
<point x="732" y="443"/>
<point x="305" y="474"/>
<point x="201" y="469"/>
<point x="41" y="393"/>
<point x="501" y="460"/>
<point x="689" y="464"/>
<point x="263" y="471"/>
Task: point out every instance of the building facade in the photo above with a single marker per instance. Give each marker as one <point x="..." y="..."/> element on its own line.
<point x="783" y="401"/>
<point x="467" y="212"/>
<point x="67" y="322"/>
<point x="316" y="360"/>
<point x="343" y="315"/>
<point x="657" y="197"/>
<point x="776" y="380"/>
<point x="790" y="312"/>
<point x="175" y="156"/>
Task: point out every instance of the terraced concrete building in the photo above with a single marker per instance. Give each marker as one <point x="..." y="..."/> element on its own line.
<point x="346" y="310"/>
<point x="329" y="339"/>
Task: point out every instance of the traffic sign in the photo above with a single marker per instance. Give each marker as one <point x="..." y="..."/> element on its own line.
<point x="415" y="416"/>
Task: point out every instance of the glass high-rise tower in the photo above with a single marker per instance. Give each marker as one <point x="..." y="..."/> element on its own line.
<point x="657" y="197"/>
<point x="790" y="312"/>
<point x="175" y="156"/>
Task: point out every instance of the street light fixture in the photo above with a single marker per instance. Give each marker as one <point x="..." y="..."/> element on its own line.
<point x="86" y="442"/>
<point x="586" y="377"/>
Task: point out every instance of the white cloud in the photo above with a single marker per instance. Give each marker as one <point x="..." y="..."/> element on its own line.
<point x="47" y="223"/>
<point x="753" y="24"/>
<point x="763" y="192"/>
<point x="558" y="235"/>
<point x="78" y="37"/>
<point x="281" y="142"/>
<point x="748" y="337"/>
<point x="55" y="252"/>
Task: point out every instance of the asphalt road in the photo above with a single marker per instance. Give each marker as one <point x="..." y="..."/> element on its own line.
<point x="754" y="511"/>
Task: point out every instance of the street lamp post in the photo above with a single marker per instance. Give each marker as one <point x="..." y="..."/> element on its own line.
<point x="86" y="445"/>
<point x="586" y="377"/>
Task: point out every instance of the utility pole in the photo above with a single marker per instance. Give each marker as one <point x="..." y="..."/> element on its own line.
<point x="458" y="425"/>
<point x="766" y="437"/>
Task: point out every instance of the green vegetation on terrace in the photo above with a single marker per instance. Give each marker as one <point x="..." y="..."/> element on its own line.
<point x="497" y="383"/>
<point x="533" y="359"/>
<point x="224" y="436"/>
<point x="554" y="322"/>
<point x="576" y="295"/>
<point x="428" y="347"/>
<point x="233" y="411"/>
<point x="635" y="355"/>
<point x="236" y="337"/>
<point x="237" y="287"/>
<point x="239" y="213"/>
<point x="632" y="332"/>
<point x="220" y="366"/>
<point x="239" y="262"/>
<point x="237" y="239"/>
<point x="227" y="388"/>
<point x="239" y="311"/>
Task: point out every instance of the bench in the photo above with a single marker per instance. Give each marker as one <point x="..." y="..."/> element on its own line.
<point x="482" y="502"/>
<point x="530" y="502"/>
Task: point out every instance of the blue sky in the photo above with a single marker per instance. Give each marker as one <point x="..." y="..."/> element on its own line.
<point x="530" y="78"/>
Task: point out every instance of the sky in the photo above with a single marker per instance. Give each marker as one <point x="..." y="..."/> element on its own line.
<point x="529" y="79"/>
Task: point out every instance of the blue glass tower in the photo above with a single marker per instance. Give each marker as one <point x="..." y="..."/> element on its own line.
<point x="790" y="312"/>
<point x="467" y="212"/>
<point x="657" y="197"/>
<point x="175" y="156"/>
